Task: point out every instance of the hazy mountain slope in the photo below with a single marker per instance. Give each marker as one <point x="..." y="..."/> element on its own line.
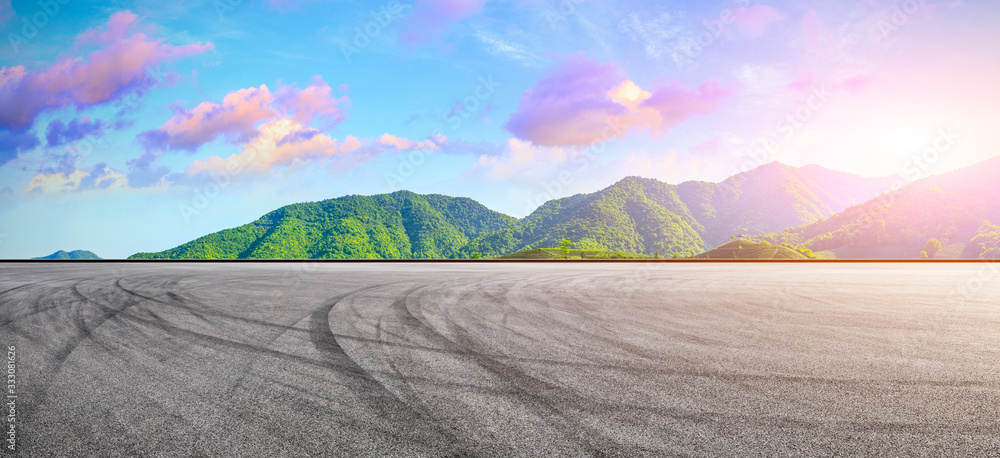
<point x="75" y="254"/>
<point x="773" y="197"/>
<point x="401" y="225"/>
<point x="637" y="215"/>
<point x="951" y="208"/>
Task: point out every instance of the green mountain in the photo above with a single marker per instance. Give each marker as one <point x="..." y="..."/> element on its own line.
<point x="75" y="254"/>
<point x="636" y="215"/>
<point x="401" y="225"/>
<point x="958" y="209"/>
<point x="773" y="197"/>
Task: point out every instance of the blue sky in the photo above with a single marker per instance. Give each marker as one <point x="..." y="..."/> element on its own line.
<point x="136" y="126"/>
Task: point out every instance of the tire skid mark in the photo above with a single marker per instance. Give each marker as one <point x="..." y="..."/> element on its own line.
<point x="400" y="311"/>
<point x="533" y="390"/>
<point x="371" y="391"/>
<point x="593" y="336"/>
<point x="182" y="303"/>
<point x="37" y="308"/>
<point x="515" y="382"/>
<point x="547" y="398"/>
<point x="413" y="398"/>
<point x="76" y="307"/>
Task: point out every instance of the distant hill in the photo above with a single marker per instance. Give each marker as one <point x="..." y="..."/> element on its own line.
<point x="959" y="209"/>
<point x="746" y="249"/>
<point x="75" y="254"/>
<point x="636" y="215"/>
<point x="773" y="197"/>
<point x="401" y="225"/>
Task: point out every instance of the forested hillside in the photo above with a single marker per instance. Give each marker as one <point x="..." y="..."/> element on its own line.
<point x="401" y="225"/>
<point x="636" y="215"/>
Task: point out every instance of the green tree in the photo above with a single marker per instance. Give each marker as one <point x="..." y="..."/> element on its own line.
<point x="657" y="255"/>
<point x="565" y="246"/>
<point x="477" y="255"/>
<point x="932" y="247"/>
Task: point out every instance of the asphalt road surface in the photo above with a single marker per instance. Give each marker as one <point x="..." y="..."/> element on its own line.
<point x="541" y="359"/>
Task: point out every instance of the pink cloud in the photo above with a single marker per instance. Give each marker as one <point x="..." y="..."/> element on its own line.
<point x="582" y="102"/>
<point x="431" y="17"/>
<point x="569" y="106"/>
<point x="280" y="143"/>
<point x="117" y="28"/>
<point x="856" y="84"/>
<point x="106" y="74"/>
<point x="236" y="117"/>
<point x="404" y="144"/>
<point x="316" y="100"/>
<point x="284" y="143"/>
<point x="805" y="82"/>
<point x="675" y="103"/>
<point x="753" y="21"/>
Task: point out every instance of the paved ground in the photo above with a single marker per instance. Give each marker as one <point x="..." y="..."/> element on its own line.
<point x="129" y="359"/>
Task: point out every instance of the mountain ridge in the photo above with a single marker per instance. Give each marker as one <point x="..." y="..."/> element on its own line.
<point x="635" y="214"/>
<point x="954" y="208"/>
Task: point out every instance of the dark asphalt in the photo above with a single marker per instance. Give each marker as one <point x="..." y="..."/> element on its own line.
<point x="491" y="359"/>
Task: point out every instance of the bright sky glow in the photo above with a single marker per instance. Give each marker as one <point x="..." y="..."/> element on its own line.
<point x="118" y="119"/>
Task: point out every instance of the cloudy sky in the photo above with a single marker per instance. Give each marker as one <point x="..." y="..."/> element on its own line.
<point x="133" y="126"/>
